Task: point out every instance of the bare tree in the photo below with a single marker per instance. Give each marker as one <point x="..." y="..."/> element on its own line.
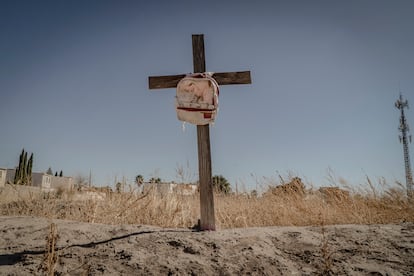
<point x="80" y="181"/>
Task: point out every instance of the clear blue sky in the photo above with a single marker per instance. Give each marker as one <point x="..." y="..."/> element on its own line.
<point x="74" y="87"/>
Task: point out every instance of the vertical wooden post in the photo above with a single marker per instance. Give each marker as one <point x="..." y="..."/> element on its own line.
<point x="207" y="217"/>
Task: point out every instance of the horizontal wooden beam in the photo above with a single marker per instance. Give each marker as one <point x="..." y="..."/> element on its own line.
<point x="233" y="78"/>
<point x="164" y="81"/>
<point x="158" y="82"/>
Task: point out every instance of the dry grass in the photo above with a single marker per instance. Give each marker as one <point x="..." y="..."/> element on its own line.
<point x="326" y="251"/>
<point x="370" y="204"/>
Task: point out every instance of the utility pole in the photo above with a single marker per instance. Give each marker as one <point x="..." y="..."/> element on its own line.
<point x="90" y="178"/>
<point x="405" y="139"/>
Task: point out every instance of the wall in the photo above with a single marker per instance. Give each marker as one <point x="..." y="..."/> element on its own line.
<point x="10" y="193"/>
<point x="42" y="180"/>
<point x="10" y="176"/>
<point x="3" y="173"/>
<point x="64" y="183"/>
<point x="39" y="179"/>
<point x="170" y="188"/>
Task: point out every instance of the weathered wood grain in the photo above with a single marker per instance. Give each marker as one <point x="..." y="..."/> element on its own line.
<point x="242" y="77"/>
<point x="207" y="216"/>
<point x="159" y="82"/>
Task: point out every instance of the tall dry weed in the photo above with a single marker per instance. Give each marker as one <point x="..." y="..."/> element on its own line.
<point x="51" y="256"/>
<point x="326" y="250"/>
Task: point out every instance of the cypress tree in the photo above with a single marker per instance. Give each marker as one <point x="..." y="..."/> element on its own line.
<point x="61" y="174"/>
<point x="18" y="172"/>
<point x="49" y="171"/>
<point x="23" y="174"/>
<point x="16" y="175"/>
<point x="29" y="170"/>
<point x="23" y="170"/>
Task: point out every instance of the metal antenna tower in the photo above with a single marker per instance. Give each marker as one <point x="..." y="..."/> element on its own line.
<point x="401" y="104"/>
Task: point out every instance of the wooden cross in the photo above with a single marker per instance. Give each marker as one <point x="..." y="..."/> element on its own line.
<point x="207" y="218"/>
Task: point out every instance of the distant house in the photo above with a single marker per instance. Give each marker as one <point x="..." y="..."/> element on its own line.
<point x="3" y="174"/>
<point x="52" y="183"/>
<point x="10" y="175"/>
<point x="170" y="188"/>
<point x="42" y="180"/>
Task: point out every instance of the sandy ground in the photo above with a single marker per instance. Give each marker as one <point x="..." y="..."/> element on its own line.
<point x="97" y="249"/>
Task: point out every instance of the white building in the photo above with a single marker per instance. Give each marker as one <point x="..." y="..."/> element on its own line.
<point x="170" y="188"/>
<point x="3" y="174"/>
<point x="42" y="180"/>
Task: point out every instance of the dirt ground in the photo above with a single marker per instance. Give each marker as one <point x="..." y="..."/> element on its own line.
<point x="28" y="245"/>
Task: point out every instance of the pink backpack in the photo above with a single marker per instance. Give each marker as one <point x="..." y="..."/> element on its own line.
<point x="197" y="99"/>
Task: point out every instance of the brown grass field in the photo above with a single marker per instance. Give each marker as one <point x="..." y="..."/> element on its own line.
<point x="373" y="204"/>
